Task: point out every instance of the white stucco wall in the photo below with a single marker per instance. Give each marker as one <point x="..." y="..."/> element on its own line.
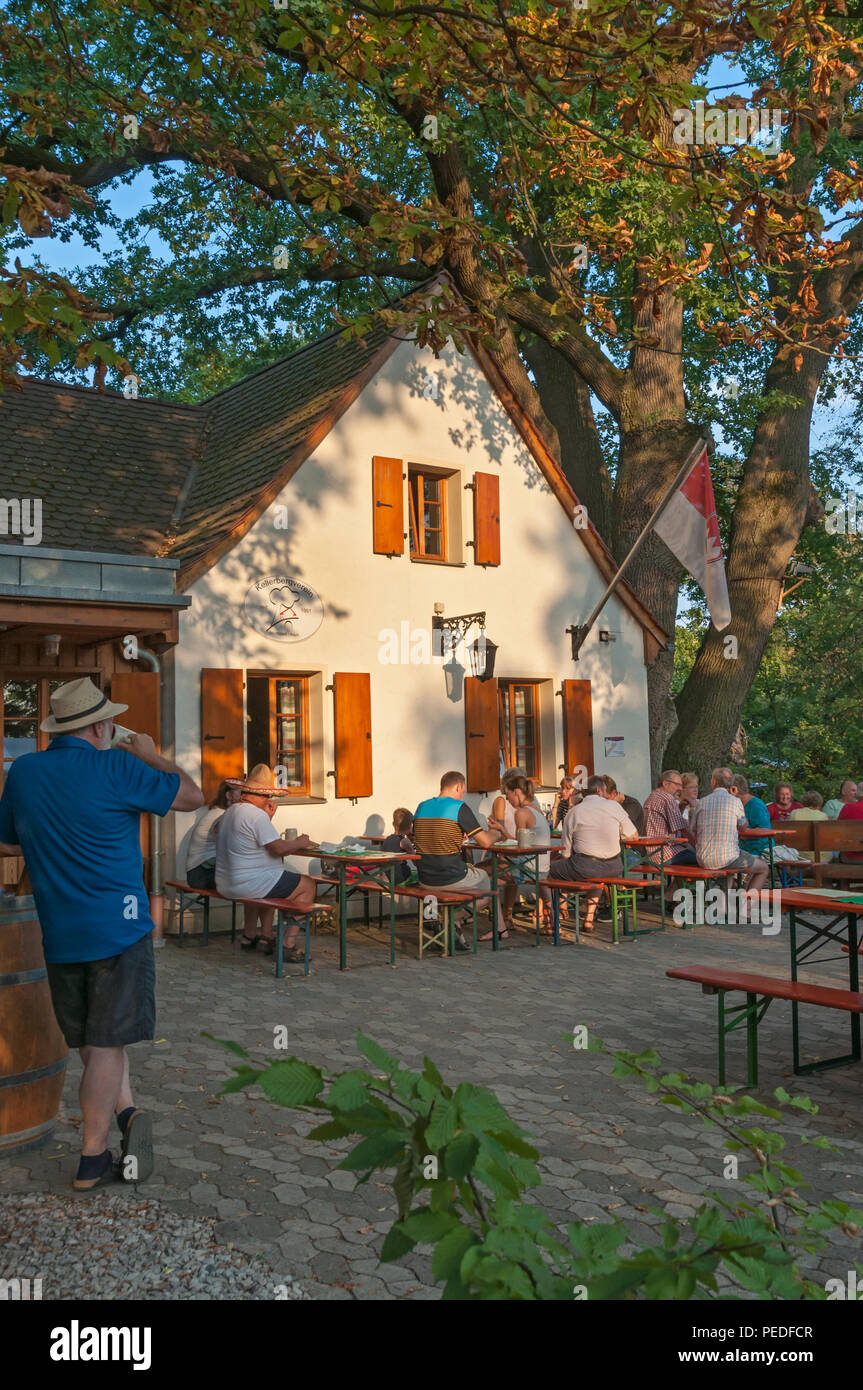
<point x="546" y="580"/>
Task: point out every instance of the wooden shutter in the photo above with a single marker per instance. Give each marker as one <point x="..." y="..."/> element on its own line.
<point x="140" y="690"/>
<point x="486" y="518"/>
<point x="353" y="732"/>
<point x="482" y="736"/>
<point x="222" y="728"/>
<point x="577" y="726"/>
<point x="388" y="514"/>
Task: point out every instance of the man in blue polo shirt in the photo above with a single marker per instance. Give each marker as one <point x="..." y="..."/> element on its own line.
<point x="73" y="812"/>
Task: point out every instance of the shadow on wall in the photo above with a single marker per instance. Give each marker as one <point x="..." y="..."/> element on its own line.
<point x="222" y="622"/>
<point x="486" y="429"/>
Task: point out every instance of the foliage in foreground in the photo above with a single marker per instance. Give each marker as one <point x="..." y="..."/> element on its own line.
<point x="462" y="1168"/>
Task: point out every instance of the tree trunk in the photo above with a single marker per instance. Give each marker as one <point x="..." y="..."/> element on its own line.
<point x="649" y="460"/>
<point x="773" y="506"/>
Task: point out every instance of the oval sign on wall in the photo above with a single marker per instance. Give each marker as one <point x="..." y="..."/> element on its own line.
<point x="284" y="609"/>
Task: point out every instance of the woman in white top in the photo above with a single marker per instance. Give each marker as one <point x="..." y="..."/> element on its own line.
<point x="201" y="851"/>
<point x="503" y="812"/>
<point x="526" y="815"/>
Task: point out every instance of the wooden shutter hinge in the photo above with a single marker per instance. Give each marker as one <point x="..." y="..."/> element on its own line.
<point x="470" y="487"/>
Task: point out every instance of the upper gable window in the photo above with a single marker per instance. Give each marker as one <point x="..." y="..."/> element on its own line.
<point x="429" y="506"/>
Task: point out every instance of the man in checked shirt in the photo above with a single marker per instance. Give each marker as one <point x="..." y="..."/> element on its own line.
<point x="663" y="816"/>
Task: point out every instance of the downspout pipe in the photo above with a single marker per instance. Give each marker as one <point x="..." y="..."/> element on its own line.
<point x="157" y="897"/>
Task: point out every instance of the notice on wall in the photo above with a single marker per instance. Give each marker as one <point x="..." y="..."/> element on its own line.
<point x="614" y="748"/>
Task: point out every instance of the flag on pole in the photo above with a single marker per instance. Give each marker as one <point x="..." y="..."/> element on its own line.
<point x="689" y="528"/>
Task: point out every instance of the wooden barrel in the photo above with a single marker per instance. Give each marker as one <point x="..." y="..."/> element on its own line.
<point x="33" y="1051"/>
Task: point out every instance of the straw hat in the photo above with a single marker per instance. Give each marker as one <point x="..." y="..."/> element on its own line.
<point x="77" y="704"/>
<point x="260" y="782"/>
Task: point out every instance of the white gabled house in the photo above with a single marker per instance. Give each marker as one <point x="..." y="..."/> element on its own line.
<point x="284" y="547"/>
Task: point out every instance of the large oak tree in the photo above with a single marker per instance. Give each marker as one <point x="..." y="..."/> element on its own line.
<point x="379" y="143"/>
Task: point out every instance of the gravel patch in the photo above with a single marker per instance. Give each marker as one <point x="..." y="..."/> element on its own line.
<point x="104" y="1247"/>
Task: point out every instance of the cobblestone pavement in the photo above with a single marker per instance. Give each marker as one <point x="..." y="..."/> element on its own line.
<point x="606" y="1145"/>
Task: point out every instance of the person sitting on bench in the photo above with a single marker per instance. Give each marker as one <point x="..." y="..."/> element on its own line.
<point x="590" y="846"/>
<point x="247" y="846"/>
<point x="663" y="816"/>
<point x="201" y="850"/>
<point x="400" y="842"/>
<point x="440" y="825"/>
<point x="713" y="826"/>
<point x="847" y="794"/>
<point x="527" y="816"/>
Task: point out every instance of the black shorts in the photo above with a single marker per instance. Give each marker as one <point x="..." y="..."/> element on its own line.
<point x="286" y="885"/>
<point x="107" y="1003"/>
<point x="203" y="876"/>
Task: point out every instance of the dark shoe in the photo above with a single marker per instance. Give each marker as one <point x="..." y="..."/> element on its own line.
<point x="248" y="943"/>
<point x="603" y="914"/>
<point x="136" y="1155"/>
<point x="295" y="955"/>
<point x="461" y="944"/>
<point x="269" y="944"/>
<point x="110" y="1175"/>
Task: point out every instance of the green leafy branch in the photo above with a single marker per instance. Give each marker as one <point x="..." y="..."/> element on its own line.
<point x="462" y="1169"/>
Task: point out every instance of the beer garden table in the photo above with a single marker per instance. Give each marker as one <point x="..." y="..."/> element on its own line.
<point x="838" y="904"/>
<point x="759" y="832"/>
<point x="647" y="842"/>
<point x="510" y="849"/>
<point x="372" y="863"/>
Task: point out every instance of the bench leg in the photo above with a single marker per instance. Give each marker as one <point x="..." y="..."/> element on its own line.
<point x="280" y="932"/>
<point x="206" y="921"/>
<point x="555" y="916"/>
<point x="233" y="920"/>
<point x="750" y="1013"/>
<point x="182" y="915"/>
<point x="307" y="923"/>
<point x="752" y="1039"/>
<point x="614" y="934"/>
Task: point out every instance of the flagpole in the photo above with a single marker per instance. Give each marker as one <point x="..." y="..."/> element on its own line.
<point x="579" y="634"/>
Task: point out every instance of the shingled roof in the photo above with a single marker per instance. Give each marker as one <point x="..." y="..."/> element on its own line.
<point x="143" y="477"/>
<point x="108" y="470"/>
<point x="151" y="478"/>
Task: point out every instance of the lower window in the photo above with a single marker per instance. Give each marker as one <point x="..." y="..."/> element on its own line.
<point x="277" y="728"/>
<point x="518" y="713"/>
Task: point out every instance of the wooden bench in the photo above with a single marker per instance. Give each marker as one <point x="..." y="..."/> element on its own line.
<point x="812" y="838"/>
<point x="622" y="892"/>
<point x="840" y="837"/>
<point x="203" y="897"/>
<point x="447" y="898"/>
<point x="760" y="991"/>
<point x="695" y="874"/>
<point x="283" y="909"/>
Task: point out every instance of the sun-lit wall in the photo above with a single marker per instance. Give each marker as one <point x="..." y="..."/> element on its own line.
<point x="546" y="580"/>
